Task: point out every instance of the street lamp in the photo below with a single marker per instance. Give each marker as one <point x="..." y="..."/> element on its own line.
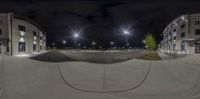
<point x="93" y="44"/>
<point x="144" y="41"/>
<point x="112" y="43"/>
<point x="79" y="44"/>
<point x="126" y="33"/>
<point x="76" y="36"/>
<point x="126" y="30"/>
<point x="64" y="42"/>
<point x="53" y="44"/>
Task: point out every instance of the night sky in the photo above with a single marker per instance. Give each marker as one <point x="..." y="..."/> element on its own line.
<point x="100" y="20"/>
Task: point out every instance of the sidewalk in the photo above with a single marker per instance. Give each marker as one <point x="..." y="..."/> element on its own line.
<point x="164" y="56"/>
<point x="191" y="59"/>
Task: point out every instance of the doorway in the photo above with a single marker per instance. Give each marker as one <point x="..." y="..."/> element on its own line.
<point x="197" y="48"/>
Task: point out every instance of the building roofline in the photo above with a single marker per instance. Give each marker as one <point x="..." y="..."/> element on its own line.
<point x="30" y="21"/>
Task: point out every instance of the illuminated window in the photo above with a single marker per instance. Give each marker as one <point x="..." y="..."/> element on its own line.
<point x="35" y="37"/>
<point x="34" y="47"/>
<point x="182" y="46"/>
<point x="21" y="39"/>
<point x="34" y="42"/>
<point x="22" y="47"/>
<point x="21" y="33"/>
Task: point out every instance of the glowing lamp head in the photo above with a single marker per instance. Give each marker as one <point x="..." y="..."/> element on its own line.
<point x="64" y="41"/>
<point x="144" y="41"/>
<point x="126" y="32"/>
<point x="76" y="35"/>
<point x="93" y="43"/>
<point x="111" y="43"/>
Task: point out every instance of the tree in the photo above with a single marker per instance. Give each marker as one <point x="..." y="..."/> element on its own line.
<point x="150" y="42"/>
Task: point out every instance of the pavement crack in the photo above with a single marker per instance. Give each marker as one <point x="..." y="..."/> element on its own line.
<point x="105" y="81"/>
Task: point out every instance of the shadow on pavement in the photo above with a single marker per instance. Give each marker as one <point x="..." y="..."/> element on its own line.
<point x="52" y="56"/>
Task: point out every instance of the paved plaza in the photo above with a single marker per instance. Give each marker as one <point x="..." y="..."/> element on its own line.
<point x="26" y="78"/>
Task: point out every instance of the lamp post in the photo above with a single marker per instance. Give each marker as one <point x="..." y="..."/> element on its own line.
<point x="126" y="34"/>
<point x="93" y="44"/>
<point x="112" y="44"/>
<point x="53" y="45"/>
<point x="76" y="36"/>
<point x="64" y="42"/>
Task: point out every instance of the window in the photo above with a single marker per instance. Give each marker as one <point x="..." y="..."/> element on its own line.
<point x="174" y="37"/>
<point x="0" y="31"/>
<point x="174" y="30"/>
<point x="21" y="28"/>
<point x="170" y="33"/>
<point x="34" y="47"/>
<point x="44" y="39"/>
<point x="40" y="38"/>
<point x="197" y="47"/>
<point x="34" y="33"/>
<point x="197" y="32"/>
<point x="182" y="46"/>
<point x="197" y="23"/>
<point x="40" y="47"/>
<point x="183" y="26"/>
<point x="174" y="46"/>
<point x="182" y="34"/>
<point x="1" y="22"/>
<point x="21" y="47"/>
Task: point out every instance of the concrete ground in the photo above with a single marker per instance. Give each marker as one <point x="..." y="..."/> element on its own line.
<point x="133" y="79"/>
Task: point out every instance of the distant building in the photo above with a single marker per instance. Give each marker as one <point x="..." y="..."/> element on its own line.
<point x="182" y="35"/>
<point x="21" y="35"/>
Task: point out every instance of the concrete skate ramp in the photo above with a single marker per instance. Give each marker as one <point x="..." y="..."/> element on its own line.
<point x="105" y="77"/>
<point x="95" y="56"/>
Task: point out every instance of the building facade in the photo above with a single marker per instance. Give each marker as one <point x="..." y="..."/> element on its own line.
<point x="182" y="35"/>
<point x="20" y="35"/>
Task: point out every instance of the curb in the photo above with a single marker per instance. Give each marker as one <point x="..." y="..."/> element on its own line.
<point x="1" y="87"/>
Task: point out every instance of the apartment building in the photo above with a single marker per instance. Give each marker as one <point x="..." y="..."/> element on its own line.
<point x="21" y="35"/>
<point x="182" y="35"/>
